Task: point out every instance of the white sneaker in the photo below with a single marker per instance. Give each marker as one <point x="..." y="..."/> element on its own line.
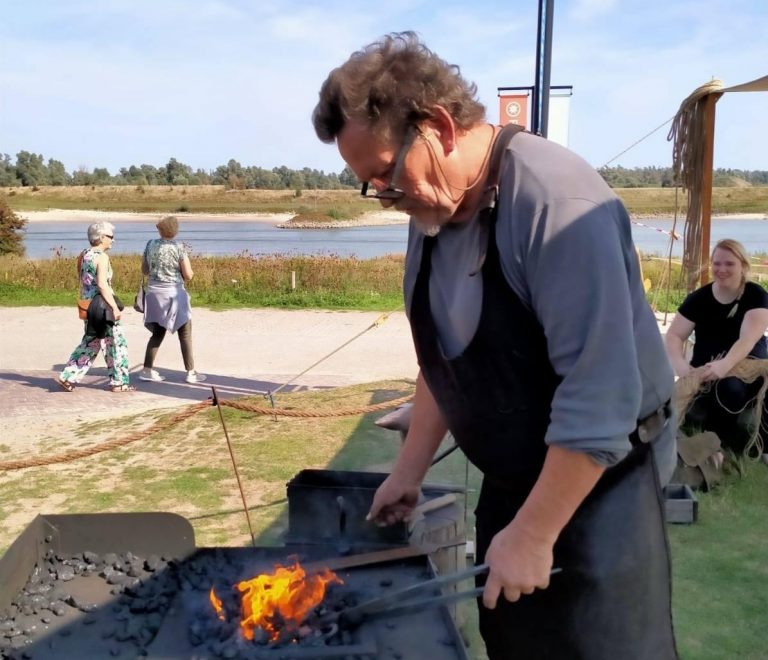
<point x="194" y="377"/>
<point x="152" y="375"/>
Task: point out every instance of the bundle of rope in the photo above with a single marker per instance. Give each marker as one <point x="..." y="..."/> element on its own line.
<point x="748" y="370"/>
<point x="687" y="135"/>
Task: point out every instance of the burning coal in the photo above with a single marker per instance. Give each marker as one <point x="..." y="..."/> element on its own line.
<point x="278" y="602"/>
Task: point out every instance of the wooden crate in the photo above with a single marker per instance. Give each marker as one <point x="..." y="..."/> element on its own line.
<point x="680" y="504"/>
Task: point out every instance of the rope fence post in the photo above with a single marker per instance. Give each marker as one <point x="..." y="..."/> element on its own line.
<point x="234" y="465"/>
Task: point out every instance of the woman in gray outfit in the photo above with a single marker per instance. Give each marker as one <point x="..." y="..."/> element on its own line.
<point x="166" y="304"/>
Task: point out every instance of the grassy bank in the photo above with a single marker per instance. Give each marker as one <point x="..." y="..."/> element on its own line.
<point x="720" y="575"/>
<point x="336" y="204"/>
<point x="324" y="282"/>
<point x="333" y="204"/>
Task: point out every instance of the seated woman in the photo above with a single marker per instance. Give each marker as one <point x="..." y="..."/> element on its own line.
<point x="730" y="316"/>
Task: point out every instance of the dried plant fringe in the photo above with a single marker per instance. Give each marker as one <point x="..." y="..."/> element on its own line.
<point x="688" y="137"/>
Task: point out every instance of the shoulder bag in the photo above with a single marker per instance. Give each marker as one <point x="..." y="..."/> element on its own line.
<point x="82" y="303"/>
<point x="138" y="301"/>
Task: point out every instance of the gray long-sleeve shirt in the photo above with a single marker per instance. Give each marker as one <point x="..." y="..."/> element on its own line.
<point x="566" y="250"/>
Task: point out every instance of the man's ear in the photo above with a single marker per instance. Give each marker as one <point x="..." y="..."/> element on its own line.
<point x="443" y="129"/>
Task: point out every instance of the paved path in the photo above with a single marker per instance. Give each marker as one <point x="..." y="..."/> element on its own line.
<point x="241" y="352"/>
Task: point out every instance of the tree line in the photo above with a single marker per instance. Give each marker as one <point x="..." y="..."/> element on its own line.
<point x="663" y="177"/>
<point x="30" y="169"/>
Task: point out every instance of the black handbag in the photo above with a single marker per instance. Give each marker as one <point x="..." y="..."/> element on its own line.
<point x="138" y="301"/>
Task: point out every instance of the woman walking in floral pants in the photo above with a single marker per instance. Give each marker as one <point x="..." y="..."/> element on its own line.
<point x="96" y="278"/>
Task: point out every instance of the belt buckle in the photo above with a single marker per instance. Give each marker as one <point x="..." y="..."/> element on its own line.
<point x="663" y="415"/>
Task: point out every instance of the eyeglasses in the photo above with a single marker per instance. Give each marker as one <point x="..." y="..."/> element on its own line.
<point x="108" y="236"/>
<point x="391" y="192"/>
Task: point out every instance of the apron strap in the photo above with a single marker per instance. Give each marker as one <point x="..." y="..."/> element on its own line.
<point x="487" y="214"/>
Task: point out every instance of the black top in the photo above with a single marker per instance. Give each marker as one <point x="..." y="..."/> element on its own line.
<point x="715" y="331"/>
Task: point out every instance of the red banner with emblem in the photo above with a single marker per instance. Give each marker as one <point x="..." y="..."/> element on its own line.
<point x="513" y="109"/>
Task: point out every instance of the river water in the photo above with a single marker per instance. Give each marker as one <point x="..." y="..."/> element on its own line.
<point x="45" y="239"/>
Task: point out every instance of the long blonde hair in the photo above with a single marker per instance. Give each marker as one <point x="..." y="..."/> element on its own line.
<point x="738" y="251"/>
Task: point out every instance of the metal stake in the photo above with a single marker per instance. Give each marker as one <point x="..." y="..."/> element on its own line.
<point x="234" y="464"/>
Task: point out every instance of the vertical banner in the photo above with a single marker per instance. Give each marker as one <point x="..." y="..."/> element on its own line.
<point x="559" y="117"/>
<point x="513" y="109"/>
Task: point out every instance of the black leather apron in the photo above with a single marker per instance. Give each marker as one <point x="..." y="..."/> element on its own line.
<point x="612" y="600"/>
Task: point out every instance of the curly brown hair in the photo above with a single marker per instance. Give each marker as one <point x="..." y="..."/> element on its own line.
<point x="392" y="83"/>
<point x="168" y="226"/>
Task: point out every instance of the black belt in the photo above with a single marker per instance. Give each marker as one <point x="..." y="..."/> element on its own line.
<point x="646" y="432"/>
<point x="649" y="428"/>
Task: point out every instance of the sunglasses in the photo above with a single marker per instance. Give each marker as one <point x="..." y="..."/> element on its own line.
<point x="108" y="236"/>
<point x="391" y="192"/>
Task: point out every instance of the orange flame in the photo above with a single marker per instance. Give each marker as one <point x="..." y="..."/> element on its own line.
<point x="217" y="605"/>
<point x="288" y="595"/>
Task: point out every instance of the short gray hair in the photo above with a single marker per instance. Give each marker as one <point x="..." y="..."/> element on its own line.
<point x="99" y="229"/>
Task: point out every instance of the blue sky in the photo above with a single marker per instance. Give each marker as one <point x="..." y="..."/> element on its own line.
<point x="111" y="83"/>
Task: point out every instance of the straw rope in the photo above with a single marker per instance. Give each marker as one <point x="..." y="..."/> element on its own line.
<point x="313" y="414"/>
<point x="688" y="136"/>
<point x="186" y="413"/>
<point x="748" y="370"/>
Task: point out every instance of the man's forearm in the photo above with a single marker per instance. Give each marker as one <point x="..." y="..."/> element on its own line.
<point x="425" y="434"/>
<point x="565" y="480"/>
<point x="676" y="353"/>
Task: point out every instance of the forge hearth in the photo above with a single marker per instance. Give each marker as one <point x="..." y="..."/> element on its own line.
<point x="134" y="585"/>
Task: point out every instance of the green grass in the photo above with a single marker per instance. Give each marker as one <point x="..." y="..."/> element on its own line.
<point x="332" y="204"/>
<point x="720" y="571"/>
<point x="324" y="282"/>
<point x="245" y="281"/>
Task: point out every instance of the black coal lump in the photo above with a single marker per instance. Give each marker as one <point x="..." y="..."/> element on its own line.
<point x="90" y="557"/>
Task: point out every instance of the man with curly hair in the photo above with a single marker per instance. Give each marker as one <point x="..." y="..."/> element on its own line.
<point x="537" y="351"/>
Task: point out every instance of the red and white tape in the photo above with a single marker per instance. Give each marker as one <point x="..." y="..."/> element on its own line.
<point x="674" y="236"/>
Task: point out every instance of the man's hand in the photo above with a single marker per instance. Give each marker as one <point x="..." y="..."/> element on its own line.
<point x="393" y="501"/>
<point x="519" y="563"/>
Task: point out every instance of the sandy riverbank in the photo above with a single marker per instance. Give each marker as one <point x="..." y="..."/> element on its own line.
<point x="373" y="218"/>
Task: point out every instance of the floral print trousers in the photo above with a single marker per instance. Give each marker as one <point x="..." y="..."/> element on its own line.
<point x="115" y="354"/>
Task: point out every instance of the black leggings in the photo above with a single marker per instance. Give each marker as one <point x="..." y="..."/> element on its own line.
<point x="158" y="334"/>
<point x="719" y="409"/>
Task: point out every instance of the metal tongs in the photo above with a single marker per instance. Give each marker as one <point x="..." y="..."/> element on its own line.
<point x="393" y="604"/>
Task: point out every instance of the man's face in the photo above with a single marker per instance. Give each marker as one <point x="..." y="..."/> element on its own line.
<point x="425" y="196"/>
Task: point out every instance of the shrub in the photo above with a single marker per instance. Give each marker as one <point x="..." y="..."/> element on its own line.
<point x="11" y="226"/>
<point x="338" y="214"/>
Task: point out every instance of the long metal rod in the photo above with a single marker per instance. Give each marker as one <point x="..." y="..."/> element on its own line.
<point x="443" y="454"/>
<point x="399" y="602"/>
<point x="234" y="464"/>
